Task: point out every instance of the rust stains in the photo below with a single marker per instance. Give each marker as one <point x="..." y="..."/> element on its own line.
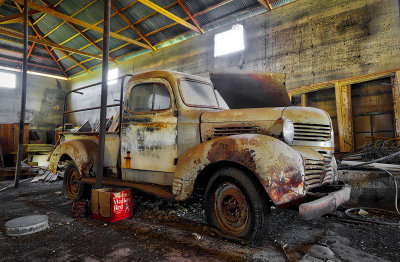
<point x="278" y="167"/>
<point x="127" y="160"/>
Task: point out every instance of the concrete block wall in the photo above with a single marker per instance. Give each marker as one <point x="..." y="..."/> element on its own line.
<point x="44" y="102"/>
<point x="310" y="41"/>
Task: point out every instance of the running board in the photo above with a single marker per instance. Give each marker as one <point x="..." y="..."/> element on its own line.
<point x="155" y="190"/>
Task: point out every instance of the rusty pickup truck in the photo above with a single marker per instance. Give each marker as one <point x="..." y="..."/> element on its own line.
<point x="177" y="134"/>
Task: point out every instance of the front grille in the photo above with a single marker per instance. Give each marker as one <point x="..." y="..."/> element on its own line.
<point x="311" y="132"/>
<point x="328" y="155"/>
<point x="314" y="171"/>
<point x="235" y="130"/>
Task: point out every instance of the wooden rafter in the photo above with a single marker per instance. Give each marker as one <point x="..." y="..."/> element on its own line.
<point x="130" y="24"/>
<point x="55" y="60"/>
<point x="79" y="30"/>
<point x="169" y="15"/>
<point x="21" y="54"/>
<point x="184" y="8"/>
<point x="157" y="30"/>
<point x="63" y="22"/>
<point x="122" y="29"/>
<point x="48" y="43"/>
<point x="79" y="22"/>
<point x="30" y="50"/>
<point x="17" y="18"/>
<point x="266" y="4"/>
<point x="32" y="64"/>
<point x="43" y="15"/>
<point x="40" y="36"/>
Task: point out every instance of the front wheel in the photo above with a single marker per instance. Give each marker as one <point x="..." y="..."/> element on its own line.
<point x="236" y="206"/>
<point x="72" y="186"/>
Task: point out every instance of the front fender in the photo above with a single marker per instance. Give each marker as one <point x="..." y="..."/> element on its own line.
<point x="277" y="166"/>
<point x="82" y="151"/>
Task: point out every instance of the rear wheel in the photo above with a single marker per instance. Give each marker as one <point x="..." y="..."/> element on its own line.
<point x="72" y="186"/>
<point x="236" y="206"/>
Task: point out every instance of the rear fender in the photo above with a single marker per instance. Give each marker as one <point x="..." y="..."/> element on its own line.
<point x="277" y="166"/>
<point x="82" y="151"/>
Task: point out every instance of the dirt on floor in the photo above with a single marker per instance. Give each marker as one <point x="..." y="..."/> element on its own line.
<point x="164" y="231"/>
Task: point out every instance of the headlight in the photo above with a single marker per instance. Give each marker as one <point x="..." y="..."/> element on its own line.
<point x="288" y="131"/>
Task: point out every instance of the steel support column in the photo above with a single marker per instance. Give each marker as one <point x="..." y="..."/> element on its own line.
<point x="23" y="97"/>
<point x="104" y="89"/>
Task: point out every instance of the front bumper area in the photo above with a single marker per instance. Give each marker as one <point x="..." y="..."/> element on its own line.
<point x="324" y="205"/>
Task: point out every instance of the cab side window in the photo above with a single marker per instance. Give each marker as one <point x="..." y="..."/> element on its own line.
<point x="149" y="97"/>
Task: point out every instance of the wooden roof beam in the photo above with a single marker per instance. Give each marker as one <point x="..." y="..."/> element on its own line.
<point x="80" y="31"/>
<point x="43" y="15"/>
<point x="130" y="24"/>
<point x="55" y="13"/>
<point x="184" y="7"/>
<point x="165" y="27"/>
<point x="48" y="43"/>
<point x="168" y="14"/>
<point x="17" y="18"/>
<point x="266" y="4"/>
<point x="39" y="34"/>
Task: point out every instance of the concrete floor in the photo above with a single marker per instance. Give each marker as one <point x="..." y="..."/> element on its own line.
<point x="161" y="231"/>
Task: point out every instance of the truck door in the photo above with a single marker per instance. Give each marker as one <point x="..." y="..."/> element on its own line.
<point x="149" y="132"/>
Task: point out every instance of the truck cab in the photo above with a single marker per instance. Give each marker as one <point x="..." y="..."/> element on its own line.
<point x="178" y="134"/>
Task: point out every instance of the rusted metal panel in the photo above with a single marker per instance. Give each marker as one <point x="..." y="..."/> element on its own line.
<point x="111" y="150"/>
<point x="149" y="136"/>
<point x="278" y="167"/>
<point x="145" y="176"/>
<point x="251" y="89"/>
<point x="82" y="151"/>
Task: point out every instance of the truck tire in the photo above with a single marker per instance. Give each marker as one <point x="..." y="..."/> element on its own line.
<point x="236" y="206"/>
<point x="72" y="186"/>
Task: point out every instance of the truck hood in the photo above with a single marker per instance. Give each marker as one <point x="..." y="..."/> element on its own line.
<point x="311" y="125"/>
<point x="251" y="89"/>
<point x="296" y="114"/>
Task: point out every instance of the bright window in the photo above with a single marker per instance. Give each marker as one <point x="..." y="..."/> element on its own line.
<point x="7" y="80"/>
<point x="112" y="76"/>
<point x="229" y="41"/>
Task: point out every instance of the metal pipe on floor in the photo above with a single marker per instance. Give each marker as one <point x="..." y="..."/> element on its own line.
<point x="104" y="89"/>
<point x="23" y="97"/>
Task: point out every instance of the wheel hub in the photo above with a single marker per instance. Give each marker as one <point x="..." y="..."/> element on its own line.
<point x="73" y="178"/>
<point x="231" y="208"/>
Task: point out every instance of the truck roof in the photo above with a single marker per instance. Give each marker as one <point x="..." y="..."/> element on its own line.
<point x="170" y="75"/>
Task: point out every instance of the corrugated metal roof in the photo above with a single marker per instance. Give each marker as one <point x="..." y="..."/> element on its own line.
<point x="149" y="25"/>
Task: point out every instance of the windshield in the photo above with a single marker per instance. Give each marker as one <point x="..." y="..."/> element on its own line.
<point x="198" y="94"/>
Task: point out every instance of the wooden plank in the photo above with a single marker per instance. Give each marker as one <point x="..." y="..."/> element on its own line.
<point x="344" y="117"/>
<point x="344" y="81"/>
<point x="396" y="102"/>
<point x="304" y="100"/>
<point x="53" y="12"/>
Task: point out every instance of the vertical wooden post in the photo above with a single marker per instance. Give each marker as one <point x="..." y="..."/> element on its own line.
<point x="344" y="117"/>
<point x="304" y="100"/>
<point x="396" y="102"/>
